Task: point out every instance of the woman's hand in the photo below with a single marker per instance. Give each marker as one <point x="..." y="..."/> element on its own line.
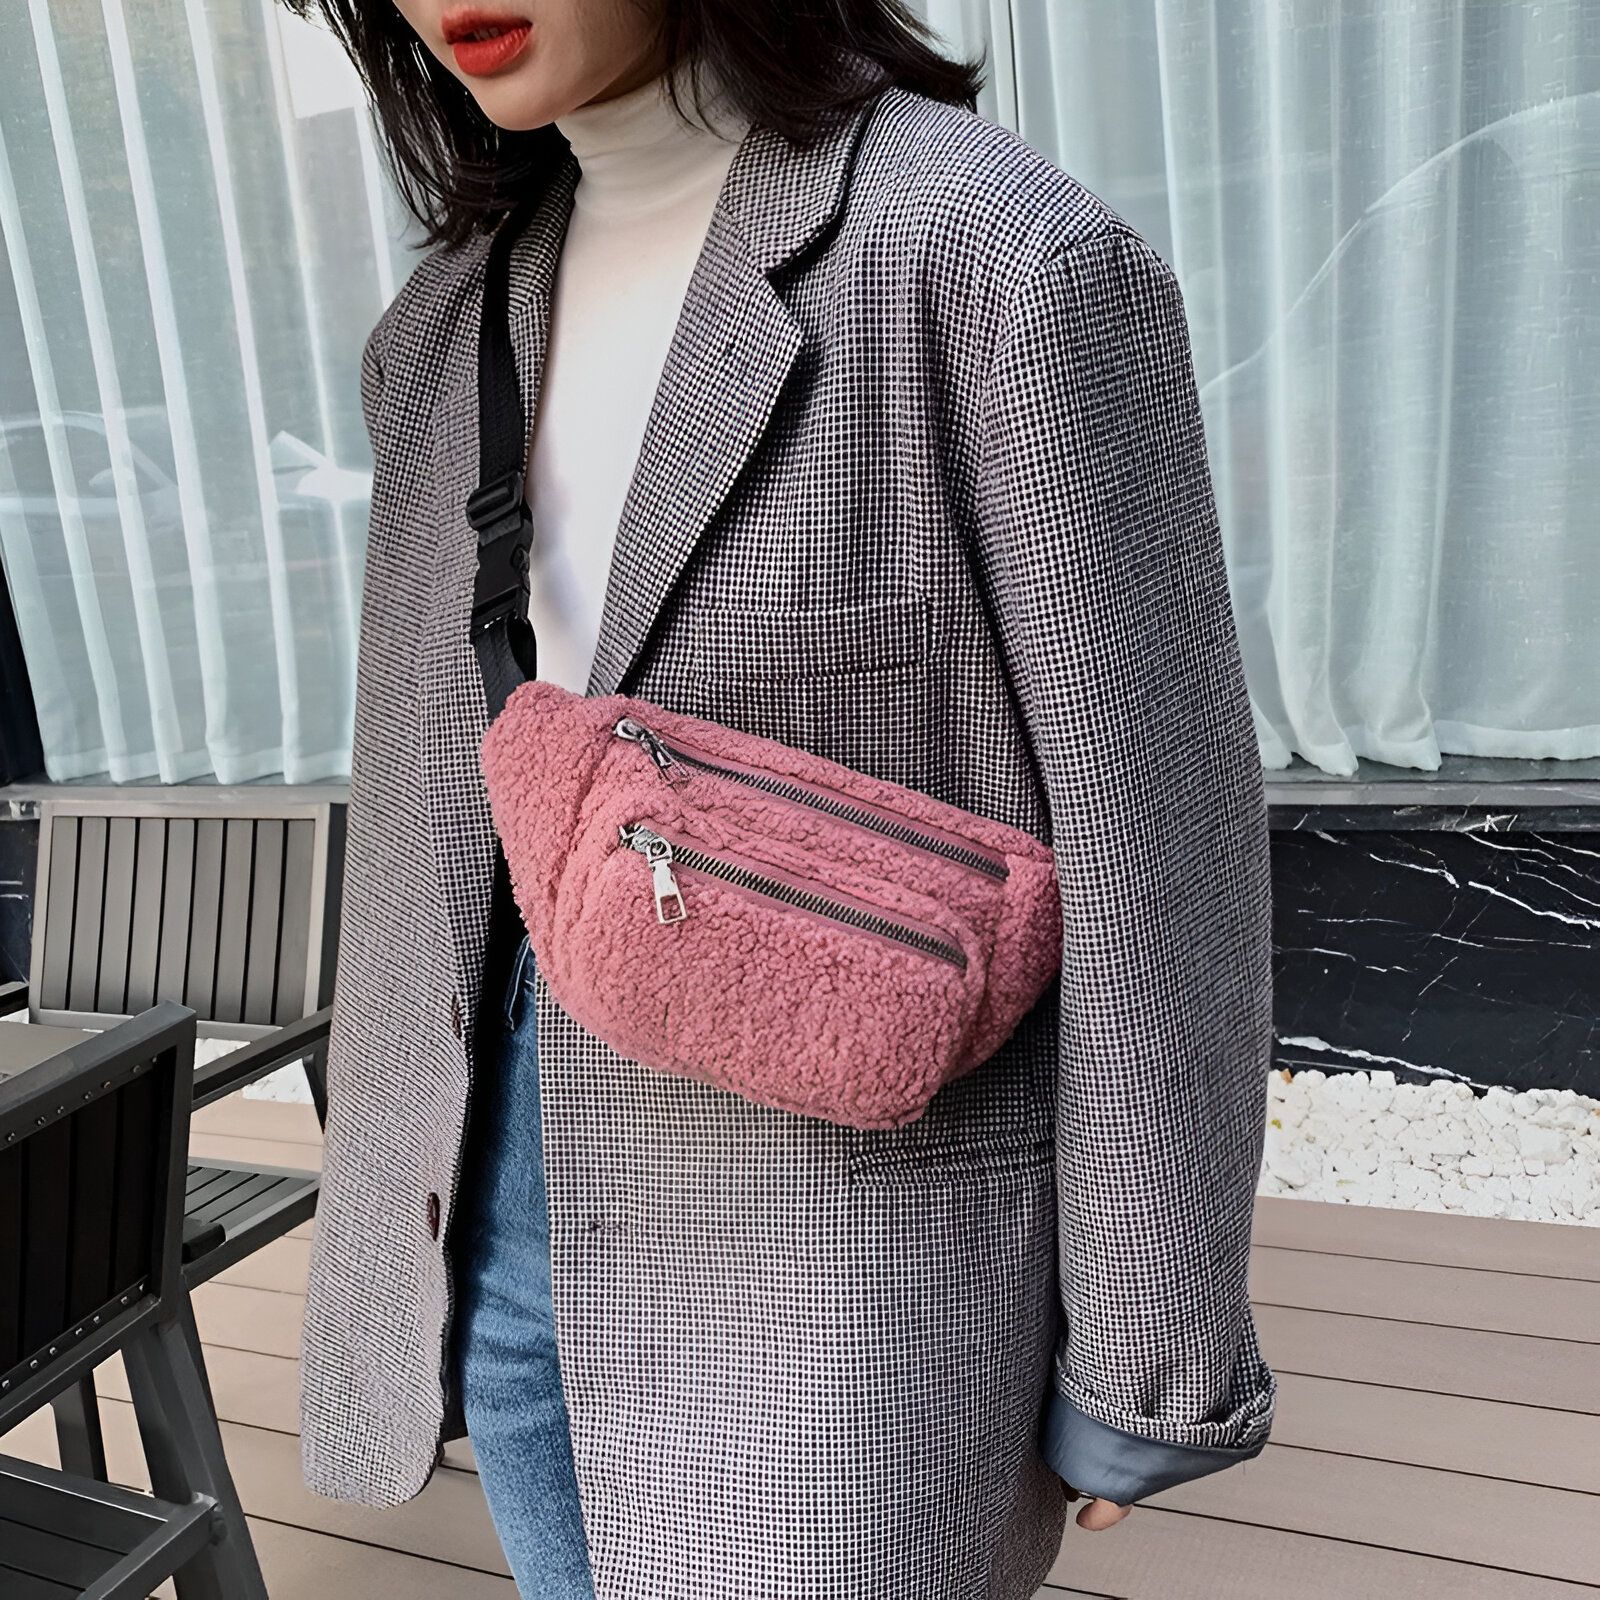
<point x="1098" y="1514"/>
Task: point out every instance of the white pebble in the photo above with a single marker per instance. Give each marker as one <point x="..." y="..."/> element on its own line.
<point x="1287" y="1170"/>
<point x="1550" y="1146"/>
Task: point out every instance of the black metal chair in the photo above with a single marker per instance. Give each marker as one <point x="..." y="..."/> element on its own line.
<point x="230" y="910"/>
<point x="92" y="1240"/>
<point x="230" y="1210"/>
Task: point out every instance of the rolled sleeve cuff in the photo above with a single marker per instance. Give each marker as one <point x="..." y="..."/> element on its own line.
<point x="1112" y="1464"/>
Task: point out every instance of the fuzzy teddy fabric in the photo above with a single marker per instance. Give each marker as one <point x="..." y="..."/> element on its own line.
<point x="776" y="1003"/>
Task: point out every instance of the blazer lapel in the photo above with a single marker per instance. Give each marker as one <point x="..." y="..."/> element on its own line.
<point x="730" y="356"/>
<point x="734" y="346"/>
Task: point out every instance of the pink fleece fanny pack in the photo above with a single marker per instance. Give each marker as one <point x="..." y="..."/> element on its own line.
<point x="723" y="907"/>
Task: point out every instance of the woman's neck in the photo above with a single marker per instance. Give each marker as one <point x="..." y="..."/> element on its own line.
<point x="637" y="152"/>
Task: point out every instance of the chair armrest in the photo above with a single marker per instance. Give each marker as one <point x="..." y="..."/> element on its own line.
<point x="13" y="997"/>
<point x="199" y="1237"/>
<point x="297" y="1041"/>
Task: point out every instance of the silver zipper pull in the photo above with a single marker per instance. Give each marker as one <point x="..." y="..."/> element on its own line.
<point x="671" y="770"/>
<point x="657" y="853"/>
<point x="669" y="898"/>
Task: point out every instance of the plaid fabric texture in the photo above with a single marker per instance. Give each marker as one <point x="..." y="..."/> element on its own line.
<point x="924" y="491"/>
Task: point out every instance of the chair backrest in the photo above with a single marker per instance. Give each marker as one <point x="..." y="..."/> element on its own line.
<point x="229" y="909"/>
<point x="92" y="1166"/>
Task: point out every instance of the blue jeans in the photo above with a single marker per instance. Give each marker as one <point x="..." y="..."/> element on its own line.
<point x="504" y="1337"/>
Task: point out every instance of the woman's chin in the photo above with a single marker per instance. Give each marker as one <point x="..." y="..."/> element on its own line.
<point x="517" y="107"/>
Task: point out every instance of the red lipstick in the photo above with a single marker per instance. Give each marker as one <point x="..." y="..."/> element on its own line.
<point x="482" y="40"/>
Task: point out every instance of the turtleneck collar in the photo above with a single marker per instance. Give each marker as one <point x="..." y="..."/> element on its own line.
<point x="638" y="153"/>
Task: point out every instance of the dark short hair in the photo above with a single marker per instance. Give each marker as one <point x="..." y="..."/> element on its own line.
<point x="784" y="63"/>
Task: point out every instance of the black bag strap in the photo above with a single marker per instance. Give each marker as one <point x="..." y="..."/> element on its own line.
<point x="502" y="636"/>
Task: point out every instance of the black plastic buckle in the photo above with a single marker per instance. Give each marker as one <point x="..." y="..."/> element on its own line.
<point x="504" y="527"/>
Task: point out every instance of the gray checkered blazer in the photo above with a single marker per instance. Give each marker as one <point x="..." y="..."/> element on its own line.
<point x="924" y="491"/>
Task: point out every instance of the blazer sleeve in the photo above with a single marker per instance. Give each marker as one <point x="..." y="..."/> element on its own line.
<point x="1099" y="548"/>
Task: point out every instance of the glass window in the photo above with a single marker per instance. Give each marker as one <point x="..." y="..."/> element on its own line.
<point x="198" y="236"/>
<point x="1385" y="215"/>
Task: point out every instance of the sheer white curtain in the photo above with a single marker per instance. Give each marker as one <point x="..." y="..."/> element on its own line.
<point x="197" y="237"/>
<point x="1386" y="218"/>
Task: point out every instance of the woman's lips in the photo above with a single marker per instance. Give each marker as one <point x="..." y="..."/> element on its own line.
<point x="484" y="41"/>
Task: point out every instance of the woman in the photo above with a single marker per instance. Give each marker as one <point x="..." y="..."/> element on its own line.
<point x="857" y="425"/>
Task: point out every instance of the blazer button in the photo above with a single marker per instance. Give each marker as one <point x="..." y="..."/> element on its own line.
<point x="433" y="1216"/>
<point x="455" y="1015"/>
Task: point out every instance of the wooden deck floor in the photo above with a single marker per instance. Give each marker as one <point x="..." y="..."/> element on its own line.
<point x="1438" y="1432"/>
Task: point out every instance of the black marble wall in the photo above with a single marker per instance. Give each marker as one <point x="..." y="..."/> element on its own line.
<point x="19" y="847"/>
<point x="1441" y="924"/>
<point x="1460" y="954"/>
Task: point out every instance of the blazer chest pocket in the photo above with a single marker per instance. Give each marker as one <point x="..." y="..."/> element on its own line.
<point x="745" y="645"/>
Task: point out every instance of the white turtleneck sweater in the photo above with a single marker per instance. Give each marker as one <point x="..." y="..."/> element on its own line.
<point x="648" y="187"/>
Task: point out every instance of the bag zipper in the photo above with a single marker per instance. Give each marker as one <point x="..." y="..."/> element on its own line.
<point x="670" y="759"/>
<point x="661" y="854"/>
